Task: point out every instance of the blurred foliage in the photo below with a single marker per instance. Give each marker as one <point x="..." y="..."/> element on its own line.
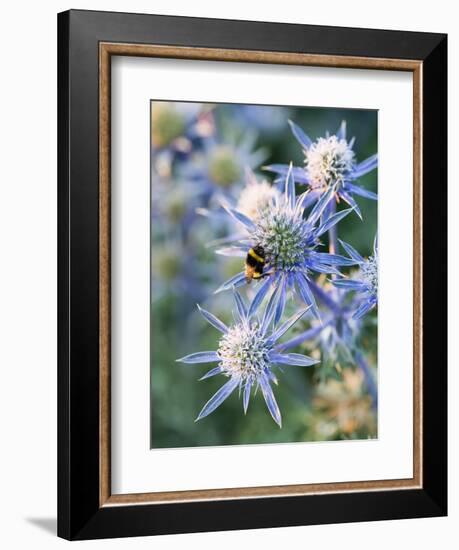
<point x="317" y="405"/>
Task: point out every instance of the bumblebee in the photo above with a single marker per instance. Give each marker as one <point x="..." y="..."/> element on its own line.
<point x="254" y="263"/>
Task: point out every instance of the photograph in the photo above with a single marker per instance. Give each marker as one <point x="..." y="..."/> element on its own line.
<point x="264" y="274"/>
<point x="229" y="320"/>
<point x="252" y="274"/>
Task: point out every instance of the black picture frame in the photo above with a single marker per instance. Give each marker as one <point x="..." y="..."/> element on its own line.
<point x="80" y="515"/>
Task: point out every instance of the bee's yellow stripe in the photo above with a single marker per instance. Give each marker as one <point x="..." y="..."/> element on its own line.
<point x="256" y="256"/>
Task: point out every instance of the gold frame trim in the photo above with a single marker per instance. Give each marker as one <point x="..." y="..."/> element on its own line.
<point x="106" y="51"/>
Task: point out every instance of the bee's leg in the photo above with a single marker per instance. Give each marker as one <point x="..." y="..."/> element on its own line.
<point x="267" y="274"/>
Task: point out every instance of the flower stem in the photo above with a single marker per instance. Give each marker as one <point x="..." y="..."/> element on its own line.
<point x="324" y="297"/>
<point x="332" y="232"/>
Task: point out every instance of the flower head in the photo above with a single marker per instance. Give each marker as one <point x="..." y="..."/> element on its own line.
<point x="247" y="353"/>
<point x="368" y="274"/>
<point x="244" y="351"/>
<point x="338" y="337"/>
<point x="289" y="241"/>
<point x="220" y="167"/>
<point x="337" y="333"/>
<point x="365" y="281"/>
<point x="256" y="196"/>
<point x="330" y="162"/>
<point x="224" y="166"/>
<point x="252" y="201"/>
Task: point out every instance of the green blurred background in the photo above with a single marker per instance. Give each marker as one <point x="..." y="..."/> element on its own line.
<point x="312" y="409"/>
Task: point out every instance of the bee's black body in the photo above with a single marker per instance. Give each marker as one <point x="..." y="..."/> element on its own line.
<point x="254" y="263"/>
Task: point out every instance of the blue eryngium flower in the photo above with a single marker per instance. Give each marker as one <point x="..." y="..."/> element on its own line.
<point x="337" y="334"/>
<point x="290" y="242"/>
<point x="365" y="281"/>
<point x="247" y="353"/>
<point x="219" y="167"/>
<point x="330" y="162"/>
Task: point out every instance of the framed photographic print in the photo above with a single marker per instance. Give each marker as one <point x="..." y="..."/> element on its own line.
<point x="252" y="274"/>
